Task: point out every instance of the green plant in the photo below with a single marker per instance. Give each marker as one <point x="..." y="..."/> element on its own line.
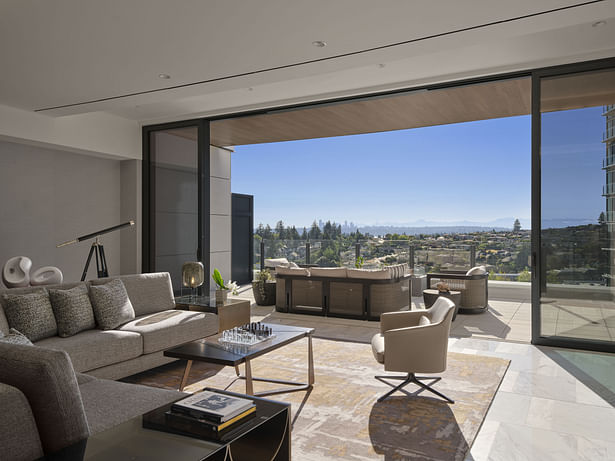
<point x="359" y="262"/>
<point x="260" y="279"/>
<point x="219" y="280"/>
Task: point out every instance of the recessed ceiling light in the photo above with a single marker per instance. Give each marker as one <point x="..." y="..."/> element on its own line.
<point x="598" y="23"/>
<point x="381" y="65"/>
<point x="250" y="89"/>
<point x="165" y="76"/>
<point x="319" y="43"/>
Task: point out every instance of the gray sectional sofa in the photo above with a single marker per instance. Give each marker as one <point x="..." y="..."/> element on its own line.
<point x="50" y="406"/>
<point x="137" y="345"/>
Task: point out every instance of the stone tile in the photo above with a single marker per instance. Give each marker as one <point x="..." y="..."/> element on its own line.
<point x="509" y="407"/>
<point x="572" y="418"/>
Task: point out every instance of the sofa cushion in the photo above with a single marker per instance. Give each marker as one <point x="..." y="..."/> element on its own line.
<point x="478" y="270"/>
<point x="31" y="314"/>
<point x="275" y="262"/>
<point x="292" y="271"/>
<point x="48" y="381"/>
<point x="95" y="348"/>
<point x="328" y="272"/>
<point x="378" y="347"/>
<point x="108" y="403"/>
<point x="111" y="304"/>
<point x="371" y="274"/>
<point x="15" y="337"/>
<point x="148" y="293"/>
<point x="72" y="309"/>
<point x="163" y="330"/>
<point x="18" y="433"/>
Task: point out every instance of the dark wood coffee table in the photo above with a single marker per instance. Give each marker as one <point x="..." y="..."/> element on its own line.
<point x="148" y="437"/>
<point x="209" y="350"/>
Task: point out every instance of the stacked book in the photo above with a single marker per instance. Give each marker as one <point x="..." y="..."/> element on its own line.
<point x="209" y="414"/>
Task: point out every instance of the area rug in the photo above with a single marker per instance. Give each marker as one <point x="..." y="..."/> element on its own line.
<point x="340" y="417"/>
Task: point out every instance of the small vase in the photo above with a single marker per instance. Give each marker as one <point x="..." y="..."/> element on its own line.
<point x="221" y="297"/>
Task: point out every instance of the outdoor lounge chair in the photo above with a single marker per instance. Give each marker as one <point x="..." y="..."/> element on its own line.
<point x="472" y="285"/>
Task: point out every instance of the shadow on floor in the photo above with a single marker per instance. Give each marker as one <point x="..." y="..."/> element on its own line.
<point x="593" y="369"/>
<point x="484" y="323"/>
<point x="416" y="428"/>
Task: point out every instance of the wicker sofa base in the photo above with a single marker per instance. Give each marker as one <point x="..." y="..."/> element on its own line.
<point x="342" y="296"/>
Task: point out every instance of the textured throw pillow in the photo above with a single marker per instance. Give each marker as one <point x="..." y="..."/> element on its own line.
<point x="73" y="310"/>
<point x="15" y="337"/>
<point x="111" y="305"/>
<point x="424" y="320"/>
<point x="31" y="314"/>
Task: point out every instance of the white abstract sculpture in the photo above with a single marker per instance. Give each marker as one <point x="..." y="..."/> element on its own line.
<point x="47" y="275"/>
<point x="16" y="272"/>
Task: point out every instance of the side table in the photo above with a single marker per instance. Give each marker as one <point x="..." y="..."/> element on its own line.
<point x="234" y="313"/>
<point x="430" y="295"/>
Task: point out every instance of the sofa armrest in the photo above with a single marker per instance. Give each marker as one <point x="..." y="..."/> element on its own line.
<point x="19" y="437"/>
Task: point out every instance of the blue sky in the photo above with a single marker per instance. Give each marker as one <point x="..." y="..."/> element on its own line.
<point x="475" y="171"/>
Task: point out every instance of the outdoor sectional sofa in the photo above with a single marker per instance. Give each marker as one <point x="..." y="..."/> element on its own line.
<point x="343" y="292"/>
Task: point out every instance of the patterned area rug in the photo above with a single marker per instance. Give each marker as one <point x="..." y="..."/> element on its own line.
<point x="340" y="417"/>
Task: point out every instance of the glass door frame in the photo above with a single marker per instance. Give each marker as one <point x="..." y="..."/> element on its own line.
<point x="149" y="197"/>
<point x="538" y="262"/>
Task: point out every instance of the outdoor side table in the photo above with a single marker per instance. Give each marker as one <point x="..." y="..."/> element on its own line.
<point x="430" y="295"/>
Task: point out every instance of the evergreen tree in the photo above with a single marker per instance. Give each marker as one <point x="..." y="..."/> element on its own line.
<point x="602" y="218"/>
<point x="304" y="234"/>
<point x="314" y="233"/>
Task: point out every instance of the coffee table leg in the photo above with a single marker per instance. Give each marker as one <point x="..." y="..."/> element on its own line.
<point x="310" y="361"/>
<point x="185" y="377"/>
<point x="249" y="386"/>
<point x="237" y="369"/>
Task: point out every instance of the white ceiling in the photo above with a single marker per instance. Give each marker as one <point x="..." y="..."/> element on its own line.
<point x="68" y="57"/>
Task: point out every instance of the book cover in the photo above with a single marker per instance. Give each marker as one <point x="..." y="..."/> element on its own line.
<point x="213" y="406"/>
<point x="205" y="428"/>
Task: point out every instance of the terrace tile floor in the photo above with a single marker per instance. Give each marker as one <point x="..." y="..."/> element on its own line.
<point x="553" y="404"/>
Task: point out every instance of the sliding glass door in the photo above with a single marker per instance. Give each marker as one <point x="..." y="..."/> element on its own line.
<point x="176" y="198"/>
<point x="574" y="209"/>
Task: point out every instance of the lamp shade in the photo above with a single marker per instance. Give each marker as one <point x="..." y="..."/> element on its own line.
<point x="193" y="274"/>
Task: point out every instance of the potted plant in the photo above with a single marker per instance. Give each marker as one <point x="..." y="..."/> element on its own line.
<point x="223" y="289"/>
<point x="264" y="287"/>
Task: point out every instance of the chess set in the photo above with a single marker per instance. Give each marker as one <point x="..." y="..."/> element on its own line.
<point x="247" y="335"/>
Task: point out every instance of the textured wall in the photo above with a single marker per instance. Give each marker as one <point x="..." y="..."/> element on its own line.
<point x="47" y="197"/>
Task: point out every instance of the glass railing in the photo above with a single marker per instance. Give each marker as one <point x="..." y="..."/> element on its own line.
<point x="445" y="258"/>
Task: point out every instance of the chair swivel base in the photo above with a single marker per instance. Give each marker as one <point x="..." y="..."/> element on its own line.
<point x="411" y="378"/>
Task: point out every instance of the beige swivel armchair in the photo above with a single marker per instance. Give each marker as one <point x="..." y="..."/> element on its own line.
<point x="414" y="342"/>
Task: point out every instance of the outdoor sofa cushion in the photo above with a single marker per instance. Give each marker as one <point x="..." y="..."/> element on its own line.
<point x="93" y="349"/>
<point x="275" y="262"/>
<point x="371" y="274"/>
<point x="166" y="329"/>
<point x="292" y="271"/>
<point x="478" y="270"/>
<point x="328" y="271"/>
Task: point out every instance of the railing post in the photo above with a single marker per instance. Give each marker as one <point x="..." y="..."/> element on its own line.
<point x="472" y="256"/>
<point x="411" y="256"/>
<point x="357" y="251"/>
<point x="262" y="255"/>
<point x="307" y="252"/>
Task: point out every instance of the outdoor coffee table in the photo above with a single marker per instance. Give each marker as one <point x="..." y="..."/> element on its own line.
<point x="210" y="350"/>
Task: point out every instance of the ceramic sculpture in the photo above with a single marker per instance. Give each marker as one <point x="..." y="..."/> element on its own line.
<point x="16" y="272"/>
<point x="47" y="275"/>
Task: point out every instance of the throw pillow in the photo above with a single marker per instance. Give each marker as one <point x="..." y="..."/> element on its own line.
<point x="478" y="270"/>
<point x="111" y="304"/>
<point x="73" y="310"/>
<point x="31" y="314"/>
<point x="15" y="337"/>
<point x="424" y="320"/>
